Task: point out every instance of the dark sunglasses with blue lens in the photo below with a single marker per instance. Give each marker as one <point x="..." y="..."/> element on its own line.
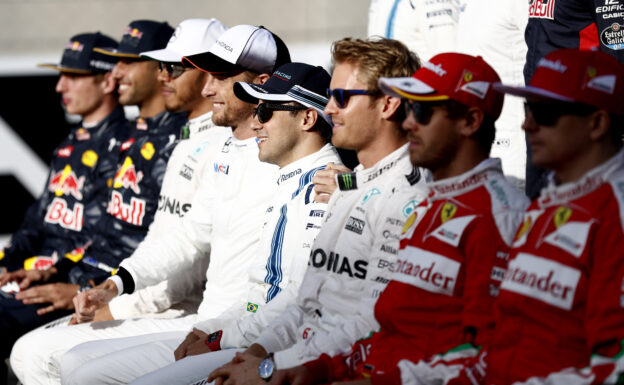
<point x="341" y="96"/>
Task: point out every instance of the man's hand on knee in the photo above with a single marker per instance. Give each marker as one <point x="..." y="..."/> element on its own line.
<point x="87" y="302"/>
<point x="58" y="294"/>
<point x="180" y="351"/>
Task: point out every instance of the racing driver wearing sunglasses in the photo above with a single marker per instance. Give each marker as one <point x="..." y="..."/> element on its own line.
<point x="559" y="313"/>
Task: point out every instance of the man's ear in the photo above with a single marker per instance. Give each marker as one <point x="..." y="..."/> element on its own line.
<point x="309" y="118"/>
<point x="390" y="106"/>
<point x="109" y="84"/>
<point x="471" y="122"/>
<point x="261" y="79"/>
<point x="600" y="123"/>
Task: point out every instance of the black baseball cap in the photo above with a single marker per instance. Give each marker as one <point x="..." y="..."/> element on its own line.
<point x="140" y="36"/>
<point x="242" y="48"/>
<point x="292" y="82"/>
<point x="79" y="57"/>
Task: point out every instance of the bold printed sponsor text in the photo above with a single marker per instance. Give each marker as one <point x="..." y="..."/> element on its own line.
<point x="132" y="213"/>
<point x="542" y="279"/>
<point x="426" y="270"/>
<point x="338" y="264"/>
<point x="59" y="214"/>
<point x="172" y="206"/>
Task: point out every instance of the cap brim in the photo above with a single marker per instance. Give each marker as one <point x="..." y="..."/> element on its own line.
<point x="209" y="62"/>
<point x="530" y="91"/>
<point x="410" y="88"/>
<point x="164" y="55"/>
<point x="116" y="53"/>
<point x="253" y="93"/>
<point x="60" y="68"/>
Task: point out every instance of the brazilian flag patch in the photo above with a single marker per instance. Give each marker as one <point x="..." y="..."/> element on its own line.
<point x="252" y="307"/>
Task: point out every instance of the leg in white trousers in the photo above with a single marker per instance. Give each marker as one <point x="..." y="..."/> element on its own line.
<point x="119" y="361"/>
<point x="188" y="370"/>
<point x="36" y="356"/>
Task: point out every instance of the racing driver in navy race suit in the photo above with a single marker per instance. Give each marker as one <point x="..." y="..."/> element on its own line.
<point x="75" y="193"/>
<point x="132" y="193"/>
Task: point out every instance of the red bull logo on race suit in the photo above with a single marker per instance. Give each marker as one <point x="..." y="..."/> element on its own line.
<point x="66" y="182"/>
<point x="60" y="214"/>
<point x="132" y="213"/>
<point x="128" y="177"/>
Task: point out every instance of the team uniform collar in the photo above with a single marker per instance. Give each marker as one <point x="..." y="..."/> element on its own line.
<point x="199" y="124"/>
<point x="361" y="176"/>
<point x="465" y="182"/>
<point x="554" y="194"/>
<point x="301" y="165"/>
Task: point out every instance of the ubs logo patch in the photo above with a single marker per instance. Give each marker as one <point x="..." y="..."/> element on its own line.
<point x="355" y="225"/>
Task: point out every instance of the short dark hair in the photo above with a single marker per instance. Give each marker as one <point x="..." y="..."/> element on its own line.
<point x="321" y="125"/>
<point x="484" y="135"/>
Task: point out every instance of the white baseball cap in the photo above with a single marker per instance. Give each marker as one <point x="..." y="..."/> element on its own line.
<point x="191" y="37"/>
<point x="243" y="47"/>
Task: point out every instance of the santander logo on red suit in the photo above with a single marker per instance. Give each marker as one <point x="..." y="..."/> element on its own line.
<point x="542" y="279"/>
<point x="426" y="270"/>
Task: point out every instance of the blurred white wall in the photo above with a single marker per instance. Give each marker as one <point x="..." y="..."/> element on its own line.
<point x="32" y="31"/>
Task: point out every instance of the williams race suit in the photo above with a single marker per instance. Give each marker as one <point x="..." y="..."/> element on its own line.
<point x="350" y="262"/>
<point x="293" y="221"/>
<point x="74" y="197"/>
<point x="132" y="200"/>
<point x="438" y="307"/>
<point x="426" y="27"/>
<point x="559" y="314"/>
<point x="191" y="158"/>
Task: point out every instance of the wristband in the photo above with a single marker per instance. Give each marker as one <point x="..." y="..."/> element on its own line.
<point x="213" y="341"/>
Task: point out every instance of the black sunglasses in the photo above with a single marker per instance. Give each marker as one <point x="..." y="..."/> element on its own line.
<point x="548" y="113"/>
<point x="264" y="111"/>
<point x="342" y="96"/>
<point x="422" y="111"/>
<point x="173" y="70"/>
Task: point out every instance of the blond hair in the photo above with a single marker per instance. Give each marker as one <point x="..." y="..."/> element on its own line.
<point x="375" y="58"/>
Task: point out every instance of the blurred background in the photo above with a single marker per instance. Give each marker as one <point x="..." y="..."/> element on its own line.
<point x="32" y="120"/>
